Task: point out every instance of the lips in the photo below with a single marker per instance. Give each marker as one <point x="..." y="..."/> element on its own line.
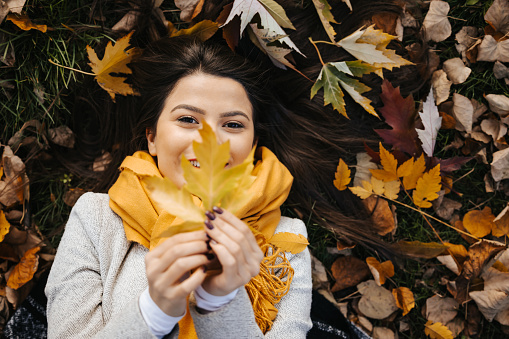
<point x="195" y="163"/>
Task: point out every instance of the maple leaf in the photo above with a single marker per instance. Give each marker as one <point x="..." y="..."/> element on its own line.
<point x="404" y="299"/>
<point x="203" y="30"/>
<point x="432" y="123"/>
<point x="342" y="177"/>
<point x="380" y="271"/>
<point x="115" y="60"/>
<point x="332" y="94"/>
<point x="323" y="9"/>
<point x="427" y="188"/>
<point x="437" y="331"/>
<point x="355" y="88"/>
<point x="391" y="189"/>
<point x="278" y="13"/>
<point x="389" y="164"/>
<point x="25" y="269"/>
<point x="264" y="40"/>
<point x="289" y="242"/>
<point x="363" y="192"/>
<point x="400" y="114"/>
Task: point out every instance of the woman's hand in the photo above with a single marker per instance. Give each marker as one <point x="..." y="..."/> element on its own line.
<point x="236" y="249"/>
<point x="168" y="267"/>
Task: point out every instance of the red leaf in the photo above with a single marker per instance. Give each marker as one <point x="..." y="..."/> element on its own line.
<point x="399" y="113"/>
<point x="450" y="165"/>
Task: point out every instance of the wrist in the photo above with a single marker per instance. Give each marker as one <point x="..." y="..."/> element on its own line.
<point x="206" y="302"/>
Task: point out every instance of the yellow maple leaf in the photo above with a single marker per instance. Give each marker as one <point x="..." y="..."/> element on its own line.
<point x="380" y="271"/>
<point x="389" y="164"/>
<point x="437" y="331"/>
<point x="391" y="189"/>
<point x="342" y="176"/>
<point x="363" y="192"/>
<point x="406" y="168"/>
<point x="115" y="60"/>
<point x="4" y="226"/>
<point x="418" y="168"/>
<point x="203" y="30"/>
<point x="404" y="299"/>
<point x="427" y="188"/>
<point x="378" y="186"/>
<point x="289" y="242"/>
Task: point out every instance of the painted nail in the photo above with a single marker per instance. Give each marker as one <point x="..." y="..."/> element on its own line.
<point x="218" y="210"/>
<point x="204" y="268"/>
<point x="209" y="225"/>
<point x="210" y="256"/>
<point x="210" y="215"/>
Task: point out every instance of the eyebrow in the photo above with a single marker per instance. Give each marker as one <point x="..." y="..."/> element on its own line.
<point x="201" y="111"/>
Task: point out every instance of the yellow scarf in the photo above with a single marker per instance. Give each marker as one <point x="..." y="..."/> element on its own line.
<point x="143" y="221"/>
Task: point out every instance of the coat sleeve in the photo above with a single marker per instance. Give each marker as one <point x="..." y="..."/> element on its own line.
<point x="236" y="319"/>
<point x="74" y="289"/>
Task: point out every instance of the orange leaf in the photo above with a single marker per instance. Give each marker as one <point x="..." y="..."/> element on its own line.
<point x="380" y="271"/>
<point x="203" y="30"/>
<point x="479" y="223"/>
<point x="437" y="331"/>
<point x="418" y="168"/>
<point x="348" y="271"/>
<point x="4" y="226"/>
<point x="342" y="176"/>
<point x="390" y="165"/>
<point x="417" y="249"/>
<point x="25" y="269"/>
<point x="427" y="188"/>
<point x="501" y="223"/>
<point x="404" y="299"/>
<point x="115" y="60"/>
<point x="24" y="22"/>
<point x="289" y="242"/>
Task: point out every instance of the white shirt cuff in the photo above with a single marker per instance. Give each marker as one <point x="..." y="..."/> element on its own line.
<point x="159" y="323"/>
<point x="209" y="302"/>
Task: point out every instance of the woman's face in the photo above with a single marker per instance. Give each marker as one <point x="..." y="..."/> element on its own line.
<point x="221" y="102"/>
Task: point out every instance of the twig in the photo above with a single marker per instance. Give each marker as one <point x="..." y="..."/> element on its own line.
<point x="317" y="51"/>
<point x="72" y="69"/>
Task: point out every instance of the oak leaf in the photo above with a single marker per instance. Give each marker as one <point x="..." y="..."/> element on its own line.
<point x="427" y="188"/>
<point x="342" y="177"/>
<point x="404" y="299"/>
<point x="436" y="23"/>
<point x="432" y="123"/>
<point x="24" y="22"/>
<point x="323" y="9"/>
<point x="479" y="223"/>
<point x="289" y="242"/>
<point x="376" y="301"/>
<point x="348" y="271"/>
<point x="4" y="226"/>
<point x="380" y="271"/>
<point x="437" y="331"/>
<point x="202" y="30"/>
<point x="115" y="60"/>
<point x="25" y="269"/>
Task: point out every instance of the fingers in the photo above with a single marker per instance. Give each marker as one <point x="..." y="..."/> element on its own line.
<point x="179" y="250"/>
<point x="180" y="267"/>
<point x="178" y="238"/>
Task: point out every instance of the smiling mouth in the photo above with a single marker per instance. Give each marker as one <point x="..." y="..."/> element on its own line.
<point x="195" y="163"/>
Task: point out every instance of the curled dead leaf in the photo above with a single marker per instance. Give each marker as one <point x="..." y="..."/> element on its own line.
<point x="348" y="271"/>
<point x="62" y="136"/>
<point x="417" y="249"/>
<point x="380" y="271"/>
<point x="404" y="299"/>
<point x="25" y="269"/>
<point x="382" y="215"/>
<point x="441" y="85"/>
<point x="500" y="165"/>
<point x="456" y="71"/>
<point x="501" y="223"/>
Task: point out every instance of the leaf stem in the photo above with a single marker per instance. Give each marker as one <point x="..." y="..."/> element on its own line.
<point x="317" y="51"/>
<point x="72" y="69"/>
<point x="326" y="42"/>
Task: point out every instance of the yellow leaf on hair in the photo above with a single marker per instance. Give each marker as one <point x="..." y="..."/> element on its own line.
<point x="202" y="30"/>
<point x="437" y="331"/>
<point x="418" y="168"/>
<point x="392" y="189"/>
<point x="289" y="242"/>
<point x="342" y="176"/>
<point x="378" y="186"/>
<point x="404" y="299"/>
<point x="363" y="192"/>
<point x="389" y="164"/>
<point x="4" y="226"/>
<point x="406" y="168"/>
<point x="427" y="188"/>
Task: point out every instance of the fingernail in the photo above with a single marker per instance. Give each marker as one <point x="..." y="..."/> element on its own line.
<point x="210" y="256"/>
<point x="204" y="268"/>
<point x="209" y="225"/>
<point x="208" y="246"/>
<point x="218" y="210"/>
<point x="210" y="215"/>
<point x="213" y="242"/>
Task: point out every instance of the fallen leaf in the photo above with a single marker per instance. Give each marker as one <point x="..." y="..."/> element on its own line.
<point x="289" y="242"/>
<point x="447" y="208"/>
<point x="24" y="22"/>
<point x="381" y="214"/>
<point x="500" y="165"/>
<point x="436" y="23"/>
<point x="380" y="271"/>
<point x="115" y="60"/>
<point x="481" y="256"/>
<point x="479" y="109"/>
<point x="501" y="71"/>
<point x="437" y="331"/>
<point x="498" y="15"/>
<point x="499" y="103"/>
<point x="262" y="38"/>
<point x="332" y="93"/>
<point x="456" y="71"/>
<point x="494" y="128"/>
<point x="376" y="301"/>
<point x="202" y="30"/>
<point x="323" y="9"/>
<point x="348" y="271"/>
<point x="382" y="333"/>
<point x="404" y="299"/>
<point x="363" y="191"/>
<point x="418" y="168"/>
<point x="390" y="166"/>
<point x="479" y="223"/>
<point x="62" y="136"/>
<point x="417" y="249"/>
<point x="463" y="111"/>
<point x="25" y="269"/>
<point x="363" y="167"/>
<point x="441" y="85"/>
<point x="501" y="223"/>
<point x="318" y="274"/>
<point x="442" y="310"/>
<point x="4" y="226"/>
<point x="342" y="177"/>
<point x="72" y="195"/>
<point x="188" y="8"/>
<point x="432" y="123"/>
<point x="495" y="296"/>
<point x="127" y="22"/>
<point x="427" y="188"/>
<point x="493" y="50"/>
<point x="466" y="37"/>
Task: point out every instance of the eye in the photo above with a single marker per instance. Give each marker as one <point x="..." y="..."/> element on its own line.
<point x="188" y="120"/>
<point x="234" y="125"/>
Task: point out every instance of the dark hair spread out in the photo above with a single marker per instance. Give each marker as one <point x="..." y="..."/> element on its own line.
<point x="307" y="137"/>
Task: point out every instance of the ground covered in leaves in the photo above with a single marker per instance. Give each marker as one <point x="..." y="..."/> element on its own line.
<point x="437" y="184"/>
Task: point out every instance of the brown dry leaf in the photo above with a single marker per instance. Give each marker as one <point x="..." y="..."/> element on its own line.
<point x="348" y="271"/>
<point x="319" y="274"/>
<point x="481" y="256"/>
<point x="436" y="23"/>
<point x="463" y="111"/>
<point x="387" y="22"/>
<point x="495" y="128"/>
<point x="499" y="103"/>
<point x="382" y="333"/>
<point x="498" y="16"/>
<point x="72" y="195"/>
<point x="4" y="226"/>
<point x="495" y="296"/>
<point x="466" y="37"/>
<point x="501" y="71"/>
<point x="289" y="242"/>
<point x="62" y="136"/>
<point x="404" y="299"/>
<point x="501" y="223"/>
<point x="380" y="271"/>
<point x="441" y="85"/>
<point x="500" y="165"/>
<point x="478" y="135"/>
<point x="382" y="216"/>
<point x="447" y="208"/>
<point x="342" y="177"/>
<point x="25" y="269"/>
<point x="24" y="22"/>
<point x="417" y="249"/>
<point x="15" y="185"/>
<point x="456" y="71"/>
<point x="202" y="30"/>
<point x="115" y="60"/>
<point x="479" y="223"/>
<point x="376" y="302"/>
<point x="189" y="8"/>
<point x="448" y="121"/>
<point x="492" y="50"/>
<point x="437" y="331"/>
<point x="439" y="309"/>
<point x="455" y="257"/>
<point x="362" y="169"/>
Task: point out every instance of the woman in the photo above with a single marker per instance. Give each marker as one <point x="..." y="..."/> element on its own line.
<point x="105" y="282"/>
